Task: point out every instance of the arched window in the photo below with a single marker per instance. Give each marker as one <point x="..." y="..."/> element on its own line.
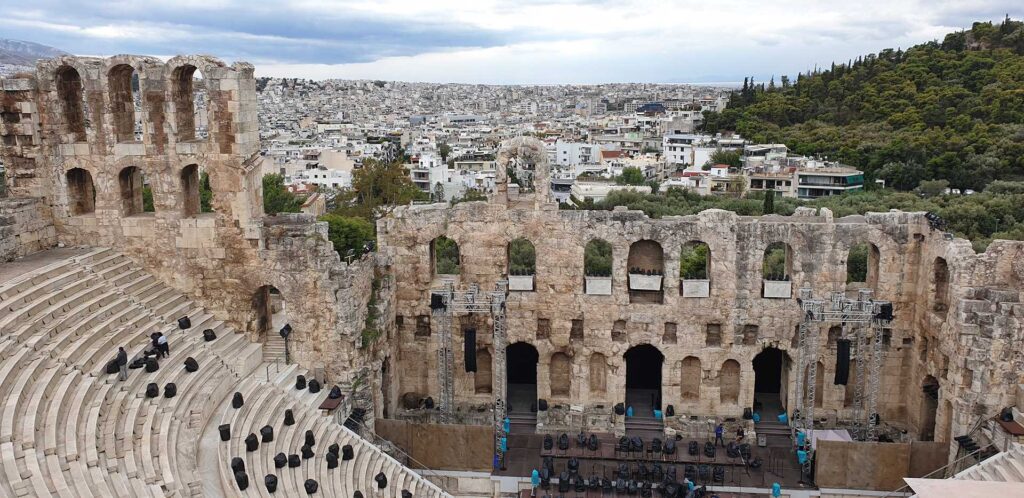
<point x="444" y="254"/>
<point x="81" y="192"/>
<point x="482" y="377"/>
<point x="835" y="332"/>
<point x="560" y="374"/>
<point x="72" y="99"/>
<point x="191" y="105"/>
<point x="694" y="269"/>
<point x="191" y="203"/>
<point x="862" y="265"/>
<point x="776" y="265"/>
<point x="646" y="267"/>
<point x="729" y="382"/>
<point x="123" y="88"/>
<point x="522" y="257"/>
<point x="940" y="284"/>
<point x="597" y="259"/>
<point x="776" y="268"/>
<point x="598" y="374"/>
<point x="132" y="185"/>
<point x="690" y="373"/>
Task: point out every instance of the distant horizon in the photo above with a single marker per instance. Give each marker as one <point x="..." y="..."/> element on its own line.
<point x="527" y="42"/>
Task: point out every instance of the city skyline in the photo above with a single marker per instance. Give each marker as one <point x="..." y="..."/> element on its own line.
<point x="531" y="42"/>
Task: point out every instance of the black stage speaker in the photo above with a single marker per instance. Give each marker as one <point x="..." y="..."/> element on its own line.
<point x="225" y="432"/>
<point x="242" y="480"/>
<point x="184" y="323"/>
<point x="842" y="362"/>
<point x="470" y="351"/>
<point x="270" y="481"/>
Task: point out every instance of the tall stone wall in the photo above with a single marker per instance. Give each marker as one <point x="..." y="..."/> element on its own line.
<point x="24" y="228"/>
<point x="70" y="143"/>
<point x="746" y="322"/>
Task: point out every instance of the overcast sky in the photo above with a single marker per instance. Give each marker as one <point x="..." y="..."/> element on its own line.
<point x="485" y="41"/>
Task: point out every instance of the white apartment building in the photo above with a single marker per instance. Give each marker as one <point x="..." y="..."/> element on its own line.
<point x="570" y="154"/>
<point x="678" y="148"/>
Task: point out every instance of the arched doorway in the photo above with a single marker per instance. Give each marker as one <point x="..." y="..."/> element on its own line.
<point x="769" y="366"/>
<point x="270" y="317"/>
<point x="643" y="379"/>
<point x="521" y="359"/>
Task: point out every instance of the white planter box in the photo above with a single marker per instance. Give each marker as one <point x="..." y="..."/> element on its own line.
<point x="520" y="282"/>
<point x="696" y="288"/>
<point x="599" y="286"/>
<point x="777" y="289"/>
<point x="644" y="282"/>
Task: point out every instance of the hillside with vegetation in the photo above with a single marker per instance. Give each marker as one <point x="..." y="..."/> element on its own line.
<point x="950" y="110"/>
<point x="938" y="115"/>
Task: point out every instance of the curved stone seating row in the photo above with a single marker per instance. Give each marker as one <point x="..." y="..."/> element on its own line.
<point x="264" y="405"/>
<point x="68" y="429"/>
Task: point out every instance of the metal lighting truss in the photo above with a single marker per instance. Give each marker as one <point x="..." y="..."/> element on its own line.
<point x="468" y="301"/>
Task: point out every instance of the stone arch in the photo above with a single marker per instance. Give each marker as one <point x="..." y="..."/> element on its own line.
<point x="598" y="373"/>
<point x="445" y="258"/>
<point x="71" y="93"/>
<point x="521" y="257"/>
<point x="191" y="197"/>
<point x="690" y="377"/>
<point x="645" y="268"/>
<point x="729" y="382"/>
<point x="131" y="183"/>
<point x="560" y="374"/>
<point x="81" y="192"/>
<point x="835" y="332"/>
<point x="598" y="258"/>
<point x="862" y="265"/>
<point x="777" y="264"/>
<point x="191" y="102"/>
<point x="940" y="284"/>
<point x="482" y="379"/>
<point x="528" y="158"/>
<point x="123" y="91"/>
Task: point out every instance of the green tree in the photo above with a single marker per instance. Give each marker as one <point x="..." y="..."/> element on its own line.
<point x="205" y="193"/>
<point x="377" y="188"/>
<point x="351" y="236"/>
<point x="693" y="261"/>
<point x="470" y="195"/>
<point x="438" y="195"/>
<point x="276" y="198"/>
<point x="902" y="175"/>
<point x="769" y="202"/>
<point x="147" y="199"/>
<point x="857" y="264"/>
<point x="522" y="257"/>
<point x="446" y="256"/>
<point x="597" y="259"/>
<point x="727" y="157"/>
<point x="445" y="150"/>
<point x="631" y="176"/>
<point x="774" y="264"/>
<point x="932" y="188"/>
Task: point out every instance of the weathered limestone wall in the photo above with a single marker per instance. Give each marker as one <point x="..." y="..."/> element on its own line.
<point x="678" y="327"/>
<point x="24" y="228"/>
<point x="72" y="120"/>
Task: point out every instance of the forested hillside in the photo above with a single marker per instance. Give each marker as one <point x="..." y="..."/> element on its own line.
<point x="951" y="110"/>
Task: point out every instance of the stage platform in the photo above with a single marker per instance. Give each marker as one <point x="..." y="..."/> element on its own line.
<point x="778" y="463"/>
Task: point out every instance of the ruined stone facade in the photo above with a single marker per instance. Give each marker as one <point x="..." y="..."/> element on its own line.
<point x="77" y="164"/>
<point x="76" y="160"/>
<point x="958" y="314"/>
